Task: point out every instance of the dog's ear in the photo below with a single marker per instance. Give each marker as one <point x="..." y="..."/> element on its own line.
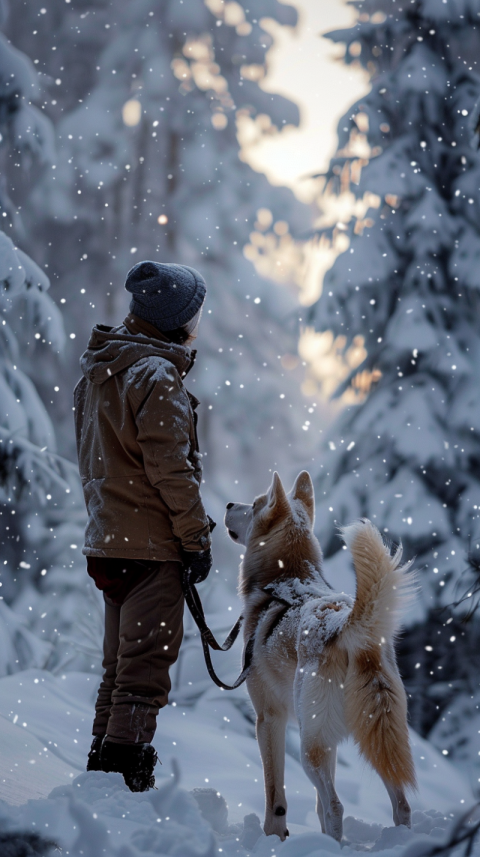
<point x="276" y="498"/>
<point x="303" y="491"/>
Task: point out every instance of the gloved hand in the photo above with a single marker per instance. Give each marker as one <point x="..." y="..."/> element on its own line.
<point x="198" y="564"/>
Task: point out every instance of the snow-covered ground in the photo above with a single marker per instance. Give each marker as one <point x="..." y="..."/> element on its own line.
<point x="45" y="735"/>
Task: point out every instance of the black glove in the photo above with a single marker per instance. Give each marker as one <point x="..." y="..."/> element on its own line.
<point x="198" y="564"/>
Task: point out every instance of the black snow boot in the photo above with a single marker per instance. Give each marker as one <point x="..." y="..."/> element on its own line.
<point x="93" y="763"/>
<point x="135" y="761"/>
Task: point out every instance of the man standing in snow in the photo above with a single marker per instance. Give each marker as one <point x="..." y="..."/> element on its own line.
<point x="141" y="472"/>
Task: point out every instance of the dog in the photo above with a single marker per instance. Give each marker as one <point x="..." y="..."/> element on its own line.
<point x="321" y="656"/>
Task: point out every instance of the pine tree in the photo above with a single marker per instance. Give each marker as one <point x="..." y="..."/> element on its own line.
<point x="408" y="457"/>
<point x="40" y="515"/>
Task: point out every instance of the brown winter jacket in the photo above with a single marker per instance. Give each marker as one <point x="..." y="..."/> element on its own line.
<point x="137" y="445"/>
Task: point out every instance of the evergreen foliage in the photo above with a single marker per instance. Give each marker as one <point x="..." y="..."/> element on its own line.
<point x="408" y="457"/>
<point x="40" y="512"/>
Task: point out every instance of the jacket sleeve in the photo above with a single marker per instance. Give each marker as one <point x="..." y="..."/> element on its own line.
<point x="163" y="422"/>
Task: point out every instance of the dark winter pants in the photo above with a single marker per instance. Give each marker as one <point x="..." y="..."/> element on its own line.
<point x="142" y="640"/>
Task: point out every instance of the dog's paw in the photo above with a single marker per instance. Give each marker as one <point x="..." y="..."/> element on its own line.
<point x="275" y="824"/>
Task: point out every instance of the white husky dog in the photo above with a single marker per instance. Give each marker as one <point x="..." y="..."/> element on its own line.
<point x="321" y="655"/>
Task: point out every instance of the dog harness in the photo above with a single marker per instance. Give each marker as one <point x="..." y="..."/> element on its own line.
<point x="195" y="606"/>
<point x="290" y="593"/>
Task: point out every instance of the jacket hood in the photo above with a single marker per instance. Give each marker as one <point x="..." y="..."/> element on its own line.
<point x="112" y="349"/>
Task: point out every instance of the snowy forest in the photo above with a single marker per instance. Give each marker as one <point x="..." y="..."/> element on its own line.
<point x="120" y="141"/>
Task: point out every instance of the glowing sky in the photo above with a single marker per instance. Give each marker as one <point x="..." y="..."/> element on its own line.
<point x="302" y="66"/>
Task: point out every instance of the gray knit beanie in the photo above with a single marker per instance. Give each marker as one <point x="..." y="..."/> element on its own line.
<point x="165" y="294"/>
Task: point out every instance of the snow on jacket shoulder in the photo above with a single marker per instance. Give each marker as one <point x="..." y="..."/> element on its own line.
<point x="137" y="445"/>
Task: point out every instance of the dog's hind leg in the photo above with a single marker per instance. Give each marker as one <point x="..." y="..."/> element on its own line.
<point x="318" y="707"/>
<point x="319" y="764"/>
<point x="402" y="813"/>
<point x="320" y="812"/>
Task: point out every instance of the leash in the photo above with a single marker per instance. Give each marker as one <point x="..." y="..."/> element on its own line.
<point x="195" y="606"/>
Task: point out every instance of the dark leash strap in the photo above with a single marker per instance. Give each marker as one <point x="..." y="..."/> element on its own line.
<point x="208" y="640"/>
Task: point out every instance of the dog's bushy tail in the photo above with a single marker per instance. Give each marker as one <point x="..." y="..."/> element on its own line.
<point x="384" y="587"/>
<point x="375" y="701"/>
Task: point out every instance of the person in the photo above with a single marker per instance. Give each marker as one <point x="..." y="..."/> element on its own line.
<point x="140" y="465"/>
